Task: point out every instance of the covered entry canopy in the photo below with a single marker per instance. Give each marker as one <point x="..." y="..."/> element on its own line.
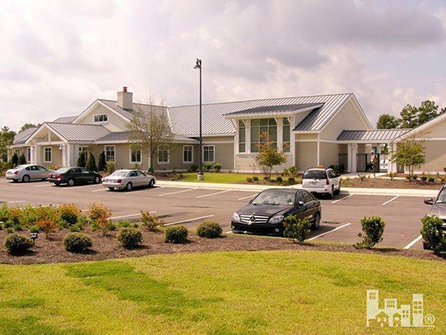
<point x="371" y="136"/>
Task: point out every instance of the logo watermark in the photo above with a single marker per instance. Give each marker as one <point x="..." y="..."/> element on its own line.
<point x="393" y="316"/>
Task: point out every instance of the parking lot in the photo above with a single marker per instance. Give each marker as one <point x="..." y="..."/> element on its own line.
<point x="190" y="205"/>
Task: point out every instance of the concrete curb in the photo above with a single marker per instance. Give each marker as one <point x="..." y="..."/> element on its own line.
<point x="258" y="188"/>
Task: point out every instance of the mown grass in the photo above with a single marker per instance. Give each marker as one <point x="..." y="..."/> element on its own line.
<point x="280" y="292"/>
<point x="225" y="177"/>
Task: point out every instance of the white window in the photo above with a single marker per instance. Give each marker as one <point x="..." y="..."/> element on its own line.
<point x="48" y="155"/>
<point x="241" y="136"/>
<point x="109" y="153"/>
<point x="286" y="136"/>
<point x="188" y="153"/>
<point x="209" y="153"/>
<point x="163" y="156"/>
<point x="261" y="127"/>
<point x="135" y="156"/>
<point x="100" y="118"/>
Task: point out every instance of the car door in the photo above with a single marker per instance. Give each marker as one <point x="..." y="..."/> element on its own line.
<point x="310" y="204"/>
<point x="335" y="179"/>
<point x="133" y="178"/>
<point x="299" y="207"/>
<point x="87" y="175"/>
<point x="76" y="174"/>
<point x="43" y="172"/>
<point x="143" y="180"/>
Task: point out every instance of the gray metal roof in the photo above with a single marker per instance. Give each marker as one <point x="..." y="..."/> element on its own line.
<point x="65" y="119"/>
<point x="372" y="135"/>
<point x="274" y="109"/>
<point x="79" y="132"/>
<point x="123" y="136"/>
<point x="21" y="137"/>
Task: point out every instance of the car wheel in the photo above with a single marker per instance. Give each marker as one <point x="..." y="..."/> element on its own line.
<point x="339" y="188"/>
<point x="44" y="179"/>
<point x="111" y="188"/>
<point x="316" y="222"/>
<point x="151" y="183"/>
<point x="14" y="180"/>
<point x="57" y="183"/>
<point x="26" y="178"/>
<point x="128" y="187"/>
<point x="70" y="182"/>
<point x="97" y="180"/>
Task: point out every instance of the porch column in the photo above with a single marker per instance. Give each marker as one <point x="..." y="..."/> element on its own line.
<point x="392" y="164"/>
<point x="292" y="140"/>
<point x="351" y="156"/>
<point x="279" y="122"/>
<point x="33" y="154"/>
<point x="64" y="154"/>
<point x="38" y="154"/>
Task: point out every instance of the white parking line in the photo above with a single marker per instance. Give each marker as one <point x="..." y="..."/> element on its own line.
<point x="48" y="185"/>
<point x="413" y="242"/>
<point x="396" y="197"/>
<point x="176" y="192"/>
<point x="100" y="190"/>
<point x="348" y="196"/>
<point x="189" y="220"/>
<point x="129" y="215"/>
<point x="330" y="231"/>
<point x="211" y="194"/>
<point x="249" y="196"/>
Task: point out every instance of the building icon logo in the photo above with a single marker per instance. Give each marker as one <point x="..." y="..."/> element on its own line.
<point x="392" y="316"/>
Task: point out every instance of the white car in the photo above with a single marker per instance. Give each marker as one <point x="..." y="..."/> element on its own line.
<point x="322" y="181"/>
<point x="128" y="179"/>
<point x="27" y="172"/>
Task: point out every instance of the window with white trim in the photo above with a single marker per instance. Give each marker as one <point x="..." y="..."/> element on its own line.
<point x="135" y="156"/>
<point x="188" y="154"/>
<point x="48" y="154"/>
<point x="83" y="149"/>
<point x="259" y="127"/>
<point x="286" y="142"/>
<point x="109" y="153"/>
<point x="163" y="156"/>
<point x="241" y="136"/>
<point x="209" y="153"/>
<point x="100" y="118"/>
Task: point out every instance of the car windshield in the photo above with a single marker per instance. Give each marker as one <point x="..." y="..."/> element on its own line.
<point x="62" y="170"/>
<point x="119" y="174"/>
<point x="442" y="195"/>
<point x="279" y="198"/>
<point x="315" y="174"/>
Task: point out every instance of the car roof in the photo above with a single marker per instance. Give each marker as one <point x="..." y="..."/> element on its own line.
<point x="319" y="169"/>
<point x="284" y="190"/>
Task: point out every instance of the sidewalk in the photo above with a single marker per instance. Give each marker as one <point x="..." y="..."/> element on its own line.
<point x="258" y="188"/>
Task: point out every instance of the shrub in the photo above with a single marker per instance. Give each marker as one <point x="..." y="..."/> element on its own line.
<point x="48" y="226"/>
<point x="150" y="222"/>
<point x="255" y="178"/>
<point x="433" y="235"/>
<point x="423" y="178"/>
<point x="34" y="229"/>
<point x="14" y="215"/>
<point x="279" y="179"/>
<point x="431" y="179"/>
<point x="175" y="234"/>
<point x="47" y="213"/>
<point x="129" y="238"/>
<point x="69" y="213"/>
<point x="76" y="228"/>
<point x="102" y="164"/>
<point x="110" y="167"/>
<point x="266" y="178"/>
<point x="291" y="180"/>
<point x="249" y="180"/>
<point x="17" y="244"/>
<point x="15" y="160"/>
<point x="97" y="211"/>
<point x="82" y="161"/>
<point x="209" y="229"/>
<point x="293" y="172"/>
<point x="296" y="229"/>
<point x="124" y="223"/>
<point x="22" y="159"/>
<point x="217" y="167"/>
<point x="207" y="167"/>
<point x="193" y="168"/>
<point x="373" y="229"/>
<point x="392" y="175"/>
<point x="9" y="230"/>
<point x="77" y="242"/>
<point x="4" y="213"/>
<point x="91" y="163"/>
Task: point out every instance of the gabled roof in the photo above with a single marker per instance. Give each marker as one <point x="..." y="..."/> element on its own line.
<point x="372" y="135"/>
<point x="122" y="136"/>
<point x="78" y="132"/>
<point x="66" y="119"/>
<point x="21" y="137"/>
<point x="274" y="110"/>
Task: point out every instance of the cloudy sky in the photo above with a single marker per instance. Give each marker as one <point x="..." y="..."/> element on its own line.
<point x="59" y="56"/>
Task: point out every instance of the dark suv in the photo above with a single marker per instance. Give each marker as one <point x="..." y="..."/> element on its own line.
<point x="74" y="175"/>
<point x="266" y="212"/>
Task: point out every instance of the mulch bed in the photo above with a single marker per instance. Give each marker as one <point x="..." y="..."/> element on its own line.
<point x="52" y="250"/>
<point x="387" y="183"/>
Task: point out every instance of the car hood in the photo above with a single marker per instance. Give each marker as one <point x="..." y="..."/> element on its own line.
<point x="267" y="210"/>
<point x="438" y="209"/>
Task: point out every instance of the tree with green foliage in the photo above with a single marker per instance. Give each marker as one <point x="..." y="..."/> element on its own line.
<point x="27" y="126"/>
<point x="412" y="117"/>
<point x="427" y="111"/>
<point x="22" y="159"/>
<point x="14" y="160"/>
<point x="387" y="121"/>
<point x="269" y="156"/>
<point x="102" y="165"/>
<point x="6" y="139"/>
<point x="409" y="118"/>
<point x="91" y="163"/>
<point x="81" y="160"/>
<point x="410" y="154"/>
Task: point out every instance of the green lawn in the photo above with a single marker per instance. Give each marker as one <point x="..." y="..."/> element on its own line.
<point x="223" y="177"/>
<point x="286" y="292"/>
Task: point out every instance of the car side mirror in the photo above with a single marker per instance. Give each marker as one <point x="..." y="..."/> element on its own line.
<point x="300" y="204"/>
<point x="250" y="201"/>
<point x="429" y="201"/>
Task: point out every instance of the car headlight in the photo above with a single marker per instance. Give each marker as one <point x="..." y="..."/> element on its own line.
<point x="276" y="219"/>
<point x="235" y="217"/>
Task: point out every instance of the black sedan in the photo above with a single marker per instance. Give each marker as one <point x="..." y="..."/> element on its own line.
<point x="74" y="175"/>
<point x="266" y="212"/>
<point x="438" y="207"/>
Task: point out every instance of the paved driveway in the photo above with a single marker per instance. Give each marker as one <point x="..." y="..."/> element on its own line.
<point x="190" y="206"/>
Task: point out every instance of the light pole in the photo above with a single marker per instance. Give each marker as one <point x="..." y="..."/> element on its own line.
<point x="200" y="171"/>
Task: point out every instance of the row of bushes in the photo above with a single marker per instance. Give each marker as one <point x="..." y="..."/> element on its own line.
<point x="90" y="162"/>
<point x="278" y="180"/>
<point x="425" y="177"/>
<point x="207" y="167"/>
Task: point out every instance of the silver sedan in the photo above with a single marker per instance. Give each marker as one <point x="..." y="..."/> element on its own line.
<point x="27" y="172"/>
<point x="128" y="179"/>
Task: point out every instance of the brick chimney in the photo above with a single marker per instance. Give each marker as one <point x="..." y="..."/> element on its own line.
<point x="125" y="99"/>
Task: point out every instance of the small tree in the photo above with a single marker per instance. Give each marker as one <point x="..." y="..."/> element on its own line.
<point x="81" y="161"/>
<point x="22" y="159"/>
<point x="295" y="229"/>
<point x="269" y="156"/>
<point x="149" y="130"/>
<point x="102" y="164"/>
<point x="372" y="231"/>
<point x="91" y="164"/>
<point x="433" y="236"/>
<point x="410" y="153"/>
<point x="15" y="160"/>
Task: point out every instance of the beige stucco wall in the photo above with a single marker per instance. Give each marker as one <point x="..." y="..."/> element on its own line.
<point x="346" y="119"/>
<point x="329" y="154"/>
<point x="436" y="131"/>
<point x="248" y="163"/>
<point x="435" y="156"/>
<point x="56" y="156"/>
<point x="306" y="136"/>
<point x="306" y="155"/>
<point x="115" y="122"/>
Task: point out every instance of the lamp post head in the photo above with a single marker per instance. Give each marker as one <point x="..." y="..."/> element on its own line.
<point x="197" y="64"/>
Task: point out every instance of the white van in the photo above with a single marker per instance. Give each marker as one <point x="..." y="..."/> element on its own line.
<point x="322" y="181"/>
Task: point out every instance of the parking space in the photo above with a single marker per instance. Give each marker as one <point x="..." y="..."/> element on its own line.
<point x="190" y="205"/>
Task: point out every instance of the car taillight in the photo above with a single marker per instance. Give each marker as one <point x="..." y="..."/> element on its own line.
<point x="16" y="172"/>
<point x="326" y="182"/>
<point x="60" y="176"/>
<point x="119" y="180"/>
